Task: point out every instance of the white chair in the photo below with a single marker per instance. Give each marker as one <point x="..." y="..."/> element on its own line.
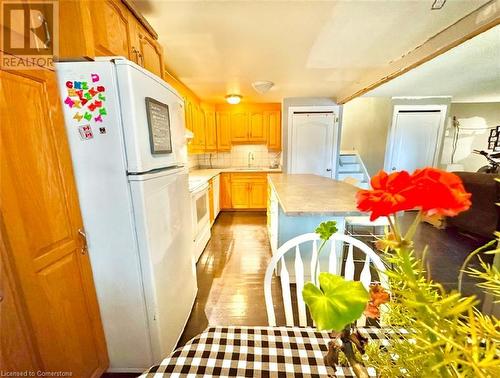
<point x="333" y="267"/>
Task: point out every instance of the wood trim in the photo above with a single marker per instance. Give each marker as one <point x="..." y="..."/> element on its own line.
<point x="132" y="8"/>
<point x="475" y="23"/>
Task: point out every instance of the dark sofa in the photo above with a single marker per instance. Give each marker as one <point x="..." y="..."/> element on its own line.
<point x="483" y="218"/>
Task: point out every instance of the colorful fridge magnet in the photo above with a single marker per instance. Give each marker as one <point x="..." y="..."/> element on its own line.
<point x="85" y="132"/>
<point x="69" y="102"/>
<point x="102" y="130"/>
<point x="80" y="97"/>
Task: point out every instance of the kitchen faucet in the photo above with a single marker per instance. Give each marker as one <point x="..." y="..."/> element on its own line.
<point x="250" y="157"/>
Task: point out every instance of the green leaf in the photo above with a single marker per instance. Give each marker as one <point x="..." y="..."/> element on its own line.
<point x="336" y="303"/>
<point x="326" y="229"/>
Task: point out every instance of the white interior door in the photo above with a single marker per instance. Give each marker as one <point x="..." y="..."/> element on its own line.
<point x="312" y="143"/>
<point x="414" y="141"/>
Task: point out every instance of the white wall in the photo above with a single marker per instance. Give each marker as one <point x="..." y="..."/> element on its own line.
<point x="478" y="117"/>
<point x="365" y="123"/>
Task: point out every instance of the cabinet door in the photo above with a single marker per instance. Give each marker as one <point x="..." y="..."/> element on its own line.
<point x="110" y="26"/>
<point x="41" y="222"/>
<point x="199" y="129"/>
<point x="151" y="54"/>
<point x="225" y="191"/>
<point x="210" y="131"/>
<point x="272" y="123"/>
<point x="239" y="127"/>
<point x="223" y="120"/>
<point x="240" y="195"/>
<point x="258" y="195"/>
<point x="257" y="131"/>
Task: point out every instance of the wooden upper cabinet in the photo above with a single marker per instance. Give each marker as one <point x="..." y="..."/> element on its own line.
<point x="239" y="126"/>
<point x="110" y="28"/>
<point x="210" y="131"/>
<point x="272" y="124"/>
<point x="256" y="129"/>
<point x="223" y="120"/>
<point x="144" y="49"/>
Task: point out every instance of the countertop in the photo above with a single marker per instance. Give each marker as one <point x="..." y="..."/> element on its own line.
<point x="302" y="194"/>
<point x="198" y="177"/>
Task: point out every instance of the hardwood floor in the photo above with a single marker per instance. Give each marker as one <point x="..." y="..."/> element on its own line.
<point x="231" y="275"/>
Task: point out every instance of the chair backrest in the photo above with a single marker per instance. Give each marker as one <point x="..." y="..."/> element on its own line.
<point x="334" y="266"/>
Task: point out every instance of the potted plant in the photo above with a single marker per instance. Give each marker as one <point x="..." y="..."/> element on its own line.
<point x="446" y="335"/>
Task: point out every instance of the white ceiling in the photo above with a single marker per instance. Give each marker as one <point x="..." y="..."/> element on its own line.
<point x="307" y="48"/>
<point x="468" y="73"/>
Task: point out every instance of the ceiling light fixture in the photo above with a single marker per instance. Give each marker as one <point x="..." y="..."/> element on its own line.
<point x="262" y="86"/>
<point x="438" y="4"/>
<point x="233" y="99"/>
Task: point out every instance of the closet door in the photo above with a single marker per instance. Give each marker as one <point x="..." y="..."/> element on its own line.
<point x="40" y="227"/>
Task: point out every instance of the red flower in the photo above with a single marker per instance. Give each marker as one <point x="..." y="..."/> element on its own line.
<point x="430" y="189"/>
<point x="439" y="192"/>
<point x="389" y="194"/>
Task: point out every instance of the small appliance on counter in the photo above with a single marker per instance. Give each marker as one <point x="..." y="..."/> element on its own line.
<point x="127" y="137"/>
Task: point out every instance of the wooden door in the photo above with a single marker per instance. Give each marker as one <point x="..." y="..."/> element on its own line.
<point x="110" y="27"/>
<point x="272" y="123"/>
<point x="239" y="126"/>
<point x="240" y="194"/>
<point x="256" y="130"/>
<point x="225" y="191"/>
<point x="258" y="195"/>
<point x="223" y="121"/>
<point x="17" y="352"/>
<point x="210" y="131"/>
<point x="41" y="219"/>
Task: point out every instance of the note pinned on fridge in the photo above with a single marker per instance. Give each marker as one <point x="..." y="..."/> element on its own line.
<point x="159" y="127"/>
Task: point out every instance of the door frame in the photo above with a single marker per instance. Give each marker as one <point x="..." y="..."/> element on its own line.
<point x="337" y="113"/>
<point x="389" y="150"/>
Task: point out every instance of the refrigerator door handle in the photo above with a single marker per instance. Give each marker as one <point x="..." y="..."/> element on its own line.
<point x="83" y="236"/>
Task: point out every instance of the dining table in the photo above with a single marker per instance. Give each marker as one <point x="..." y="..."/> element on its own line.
<point x="257" y="352"/>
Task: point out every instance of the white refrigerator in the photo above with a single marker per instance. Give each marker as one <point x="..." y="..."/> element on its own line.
<point x="127" y="138"/>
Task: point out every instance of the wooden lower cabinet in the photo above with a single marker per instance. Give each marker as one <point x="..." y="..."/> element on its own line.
<point x="240" y="195"/>
<point x="258" y="195"/>
<point x="50" y="287"/>
<point x="243" y="191"/>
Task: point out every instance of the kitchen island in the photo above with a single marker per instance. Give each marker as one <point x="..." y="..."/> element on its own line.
<point x="298" y="203"/>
